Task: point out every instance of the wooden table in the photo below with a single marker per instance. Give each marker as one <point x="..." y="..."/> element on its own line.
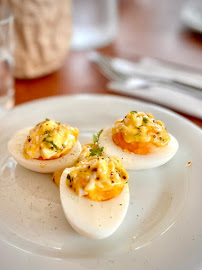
<point x="147" y="27"/>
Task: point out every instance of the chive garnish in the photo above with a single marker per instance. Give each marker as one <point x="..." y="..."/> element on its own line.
<point x="51" y="142"/>
<point x="145" y="119"/>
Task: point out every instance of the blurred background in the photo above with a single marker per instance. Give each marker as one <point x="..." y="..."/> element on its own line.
<point x="54" y="44"/>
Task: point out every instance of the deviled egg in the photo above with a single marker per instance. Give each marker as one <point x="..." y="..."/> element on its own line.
<point x="87" y="150"/>
<point x="140" y="141"/>
<point x="48" y="147"/>
<point x="95" y="196"/>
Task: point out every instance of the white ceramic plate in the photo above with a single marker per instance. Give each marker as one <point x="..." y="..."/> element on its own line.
<point x="34" y="233"/>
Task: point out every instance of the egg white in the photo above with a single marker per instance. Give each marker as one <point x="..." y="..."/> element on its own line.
<point x="133" y="161"/>
<point x="16" y="145"/>
<point x="93" y="219"/>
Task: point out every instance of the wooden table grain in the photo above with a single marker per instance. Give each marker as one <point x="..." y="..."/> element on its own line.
<point x="146" y="28"/>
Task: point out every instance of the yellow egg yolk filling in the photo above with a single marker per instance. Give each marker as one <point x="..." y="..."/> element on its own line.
<point x="49" y="140"/>
<point x="85" y="153"/>
<point x="139" y="133"/>
<point x="56" y="177"/>
<point x="98" y="178"/>
<point x="85" y="150"/>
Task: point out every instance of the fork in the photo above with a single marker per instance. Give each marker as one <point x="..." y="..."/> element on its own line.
<point x="143" y="80"/>
<point x="118" y="77"/>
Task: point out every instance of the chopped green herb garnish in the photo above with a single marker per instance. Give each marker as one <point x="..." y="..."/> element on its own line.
<point x="51" y="142"/>
<point x="145" y="119"/>
<point x="47" y="119"/>
<point x="47" y="132"/>
<point x="58" y="123"/>
<point x="95" y="140"/>
<point x="96" y="152"/>
<point x="137" y="134"/>
<point x="97" y="136"/>
<point x="132" y="112"/>
<point x="54" y="145"/>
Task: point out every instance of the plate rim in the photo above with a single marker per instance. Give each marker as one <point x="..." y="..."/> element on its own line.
<point x="87" y="96"/>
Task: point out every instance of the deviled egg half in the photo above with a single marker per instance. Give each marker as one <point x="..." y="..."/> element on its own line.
<point x="140" y="141"/>
<point x="95" y="196"/>
<point x="46" y="148"/>
<point x="94" y="193"/>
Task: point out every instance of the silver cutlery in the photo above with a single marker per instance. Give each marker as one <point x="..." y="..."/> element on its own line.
<point x="140" y="79"/>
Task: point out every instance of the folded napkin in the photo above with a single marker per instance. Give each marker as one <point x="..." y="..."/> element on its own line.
<point x="191" y="15"/>
<point x="186" y="101"/>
